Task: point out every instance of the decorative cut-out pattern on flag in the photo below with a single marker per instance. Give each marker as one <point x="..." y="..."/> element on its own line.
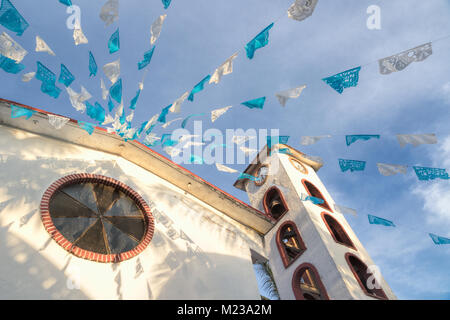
<point x="11" y="19"/>
<point x="416" y="139"/>
<point x="96" y="112"/>
<point x="116" y="91"/>
<point x="349" y="139"/>
<point x="77" y="99"/>
<point x="114" y="42"/>
<point x="112" y="70"/>
<point x="224" y="168"/>
<point x="305" y="197"/>
<point x="425" y="173"/>
<point x="380" y="221"/>
<point x="176" y="106"/>
<point x="352" y="165"/>
<point x="65" y="77"/>
<point x="309" y="140"/>
<point x="345" y="210"/>
<point x="301" y="9"/>
<point x="41" y="46"/>
<point x="198" y="87"/>
<point x="343" y="80"/>
<point x="184" y="123"/>
<point x="110" y="12"/>
<point x="390" y="169"/>
<point x="147" y="58"/>
<point x="438" y="239"/>
<point x="249" y="176"/>
<point x="92" y="65"/>
<point x="134" y="100"/>
<point x="17" y="112"/>
<point x="168" y="123"/>
<point x="79" y="37"/>
<point x="163" y="114"/>
<point x="255" y="103"/>
<point x="400" y="61"/>
<point x="260" y="41"/>
<point x="28" y="76"/>
<point x="89" y="127"/>
<point x="57" y="122"/>
<point x="224" y="69"/>
<point x="156" y="28"/>
<point x="10" y="66"/>
<point x="215" y="114"/>
<point x="11" y="49"/>
<point x="66" y="2"/>
<point x="48" y="79"/>
<point x="166" y="3"/>
<point x="293" y="93"/>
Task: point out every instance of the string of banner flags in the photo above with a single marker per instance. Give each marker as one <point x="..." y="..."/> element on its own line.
<point x="12" y="54"/>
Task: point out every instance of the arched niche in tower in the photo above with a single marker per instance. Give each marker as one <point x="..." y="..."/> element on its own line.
<point x="337" y="231"/>
<point x="289" y="242"/>
<point x="363" y="275"/>
<point x="314" y="192"/>
<point x="274" y="203"/>
<point x="307" y="285"/>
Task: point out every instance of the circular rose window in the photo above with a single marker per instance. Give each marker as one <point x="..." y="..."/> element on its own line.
<point x="261" y="175"/>
<point x="97" y="218"/>
<point x="298" y="165"/>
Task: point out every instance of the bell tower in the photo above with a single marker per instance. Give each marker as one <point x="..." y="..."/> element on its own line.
<point x="312" y="250"/>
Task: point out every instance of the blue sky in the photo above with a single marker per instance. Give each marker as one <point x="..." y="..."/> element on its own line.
<point x="199" y="35"/>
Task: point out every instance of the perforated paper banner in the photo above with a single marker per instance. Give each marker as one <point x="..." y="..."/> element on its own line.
<point x="92" y="65"/>
<point x="176" y="106"/>
<point x="343" y="80"/>
<point x="198" y="87"/>
<point x="166" y="3"/>
<point x="11" y="19"/>
<point x="260" y="41"/>
<point x="345" y="210"/>
<point x="156" y="28"/>
<point x="65" y="77"/>
<point x="57" y="122"/>
<point x="114" y="42"/>
<point x="224" y="69"/>
<point x="305" y="197"/>
<point x="17" y="112"/>
<point x="400" y="61"/>
<point x="293" y="93"/>
<point x="255" y="103"/>
<point x="89" y="127"/>
<point x="416" y="139"/>
<point x="215" y="114"/>
<point x="79" y="37"/>
<point x="309" y="140"/>
<point x="11" y="49"/>
<point x="349" y="139"/>
<point x="301" y="9"/>
<point x="438" y="239"/>
<point x="352" y="165"/>
<point x="224" y="168"/>
<point x="116" y="91"/>
<point x="41" y="46"/>
<point x="147" y="58"/>
<point x="110" y="12"/>
<point x="380" y="221"/>
<point x="425" y="173"/>
<point x="112" y="70"/>
<point x="390" y="169"/>
<point x="10" y="66"/>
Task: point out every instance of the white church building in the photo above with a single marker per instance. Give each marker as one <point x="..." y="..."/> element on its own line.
<point x="94" y="217"/>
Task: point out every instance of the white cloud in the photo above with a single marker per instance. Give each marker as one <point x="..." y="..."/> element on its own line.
<point x="436" y="194"/>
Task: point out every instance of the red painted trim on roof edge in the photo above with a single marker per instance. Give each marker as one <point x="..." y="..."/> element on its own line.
<point x="143" y="145"/>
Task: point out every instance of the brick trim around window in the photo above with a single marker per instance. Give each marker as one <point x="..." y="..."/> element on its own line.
<point x="85" y="254"/>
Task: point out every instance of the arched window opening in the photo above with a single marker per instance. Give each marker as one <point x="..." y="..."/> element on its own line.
<point x="337" y="231"/>
<point x="307" y="285"/>
<point x="314" y="192"/>
<point x="274" y="203"/>
<point x="290" y="244"/>
<point x="362" y="275"/>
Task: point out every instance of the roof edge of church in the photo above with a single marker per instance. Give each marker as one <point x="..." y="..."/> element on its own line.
<point x="139" y="154"/>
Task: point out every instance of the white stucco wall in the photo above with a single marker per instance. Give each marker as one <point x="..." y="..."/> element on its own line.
<point x="322" y="251"/>
<point x="196" y="252"/>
